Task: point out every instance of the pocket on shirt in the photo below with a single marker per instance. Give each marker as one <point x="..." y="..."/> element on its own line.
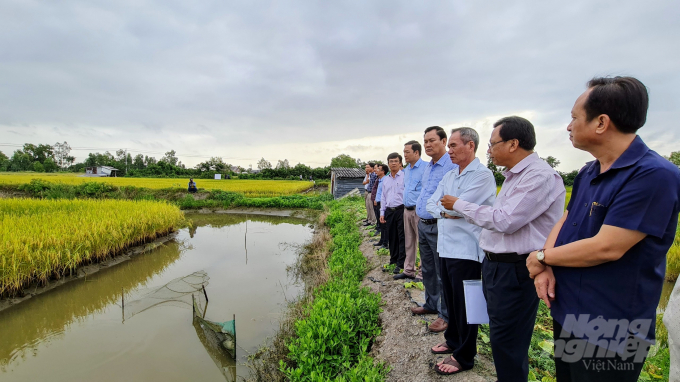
<point x="593" y="220"/>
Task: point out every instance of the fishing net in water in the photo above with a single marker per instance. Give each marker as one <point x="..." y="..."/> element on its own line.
<point x="220" y="335"/>
<point x="177" y="292"/>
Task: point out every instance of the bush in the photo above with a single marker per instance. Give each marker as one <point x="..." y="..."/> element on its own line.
<point x="333" y="341"/>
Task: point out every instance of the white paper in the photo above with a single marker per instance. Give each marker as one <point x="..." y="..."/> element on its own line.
<point x="475" y="303"/>
<point x="218" y="176"/>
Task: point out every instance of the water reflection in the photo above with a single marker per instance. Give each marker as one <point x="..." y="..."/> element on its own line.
<point x="76" y="332"/>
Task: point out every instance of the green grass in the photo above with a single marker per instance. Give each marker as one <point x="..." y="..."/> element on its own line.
<point x="332" y="341"/>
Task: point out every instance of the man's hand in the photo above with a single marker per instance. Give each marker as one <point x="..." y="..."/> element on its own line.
<point x="534" y="266"/>
<point x="545" y="286"/>
<point x="448" y="201"/>
<point x="375" y="203"/>
<point x="382" y="220"/>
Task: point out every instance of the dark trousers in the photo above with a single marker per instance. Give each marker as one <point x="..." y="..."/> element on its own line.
<point x="380" y="227"/>
<point x="460" y="336"/>
<point x="512" y="304"/>
<point x="430" y="266"/>
<point x="395" y="236"/>
<point x="594" y="369"/>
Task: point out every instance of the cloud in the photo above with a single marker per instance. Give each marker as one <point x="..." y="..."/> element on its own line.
<point x="246" y="80"/>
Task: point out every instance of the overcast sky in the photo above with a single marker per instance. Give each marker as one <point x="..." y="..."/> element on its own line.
<point x="306" y="81"/>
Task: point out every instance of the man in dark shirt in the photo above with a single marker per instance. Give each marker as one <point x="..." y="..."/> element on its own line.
<point x="603" y="264"/>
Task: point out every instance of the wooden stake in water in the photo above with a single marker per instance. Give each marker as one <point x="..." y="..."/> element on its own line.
<point x="205" y="294"/>
<point x="122" y="301"/>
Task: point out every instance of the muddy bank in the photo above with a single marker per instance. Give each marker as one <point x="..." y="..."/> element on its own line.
<point x="405" y="341"/>
<point x="86" y="270"/>
<point x="305" y="214"/>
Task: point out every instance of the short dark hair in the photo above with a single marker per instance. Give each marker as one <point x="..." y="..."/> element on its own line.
<point x="371" y="164"/>
<point x="519" y="128"/>
<point x="624" y="99"/>
<point x="385" y="168"/>
<point x="440" y="131"/>
<point x="415" y="146"/>
<point x="393" y="156"/>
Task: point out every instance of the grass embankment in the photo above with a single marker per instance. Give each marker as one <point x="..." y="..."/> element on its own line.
<point x="250" y="188"/>
<point x="40" y="188"/>
<point x="43" y="239"/>
<point x="329" y="333"/>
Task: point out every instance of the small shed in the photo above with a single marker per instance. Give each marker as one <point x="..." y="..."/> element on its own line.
<point x="344" y="180"/>
<point x="100" y="171"/>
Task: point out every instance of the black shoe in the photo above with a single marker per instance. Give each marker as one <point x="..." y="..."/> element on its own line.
<point x="402" y="276"/>
<point x="397" y="270"/>
<point x="367" y="224"/>
<point x="418" y="280"/>
<point x="378" y="244"/>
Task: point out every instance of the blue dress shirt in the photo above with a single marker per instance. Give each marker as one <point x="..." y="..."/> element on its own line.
<point x="432" y="175"/>
<point x="378" y="195"/>
<point x="413" y="182"/>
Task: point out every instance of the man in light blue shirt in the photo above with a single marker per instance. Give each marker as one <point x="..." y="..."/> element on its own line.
<point x="435" y="147"/>
<point x="458" y="246"/>
<point x="380" y="170"/>
<point x="413" y="176"/>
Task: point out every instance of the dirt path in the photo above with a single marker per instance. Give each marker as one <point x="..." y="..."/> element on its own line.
<point x="405" y="342"/>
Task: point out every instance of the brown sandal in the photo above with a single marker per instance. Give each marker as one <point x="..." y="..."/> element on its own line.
<point x="451" y="362"/>
<point x="443" y="344"/>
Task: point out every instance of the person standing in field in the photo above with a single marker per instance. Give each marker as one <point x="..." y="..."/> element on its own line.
<point x="604" y="261"/>
<point x="458" y="246"/>
<point x="528" y="205"/>
<point x="434" y="141"/>
<point x="381" y="229"/>
<point x="369" y="180"/>
<point x="413" y="176"/>
<point x="392" y="211"/>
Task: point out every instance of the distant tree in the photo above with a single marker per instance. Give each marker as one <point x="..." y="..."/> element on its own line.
<point x="263" y="164"/>
<point x="20" y="161"/>
<point x="552" y="161"/>
<point x="497" y="171"/>
<point x="344" y="160"/>
<point x="214" y="164"/>
<point x="38" y="153"/>
<point x="150" y="161"/>
<point x="170" y="157"/>
<point x="674" y="158"/>
<point x="138" y="162"/>
<point x="50" y="165"/>
<point x="38" y="167"/>
<point x="4" y="162"/>
<point x="282" y="164"/>
<point x="61" y="152"/>
<point x="568" y="177"/>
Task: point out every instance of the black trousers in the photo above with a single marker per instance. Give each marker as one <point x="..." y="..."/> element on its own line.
<point x="395" y="236"/>
<point x="594" y="368"/>
<point x="380" y="227"/>
<point x="460" y="336"/>
<point x="512" y="304"/>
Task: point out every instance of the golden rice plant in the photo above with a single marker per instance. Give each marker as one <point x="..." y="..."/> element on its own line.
<point x="40" y="239"/>
<point x="673" y="258"/>
<point x="251" y="188"/>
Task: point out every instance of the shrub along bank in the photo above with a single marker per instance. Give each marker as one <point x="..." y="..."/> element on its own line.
<point x="336" y="330"/>
<point x="39" y="188"/>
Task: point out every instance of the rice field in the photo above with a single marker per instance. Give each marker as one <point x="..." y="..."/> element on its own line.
<point x="251" y="188"/>
<point x="40" y="239"/>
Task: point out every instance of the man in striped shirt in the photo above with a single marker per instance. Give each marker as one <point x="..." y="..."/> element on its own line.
<point x="528" y="205"/>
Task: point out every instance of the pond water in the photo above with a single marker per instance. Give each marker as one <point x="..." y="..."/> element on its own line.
<point x="77" y="332"/>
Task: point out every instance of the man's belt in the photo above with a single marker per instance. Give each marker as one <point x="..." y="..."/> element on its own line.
<point x="429" y="221"/>
<point x="506" y="257"/>
<point x="399" y="207"/>
<point x="410" y="208"/>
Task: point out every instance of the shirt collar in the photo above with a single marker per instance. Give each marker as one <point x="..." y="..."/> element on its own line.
<point x="472" y="166"/>
<point x="440" y="162"/>
<point x="399" y="173"/>
<point x="632" y="155"/>
<point x="417" y="164"/>
<point x="521" y="165"/>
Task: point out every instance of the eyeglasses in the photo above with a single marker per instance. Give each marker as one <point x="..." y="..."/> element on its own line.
<point x="492" y="144"/>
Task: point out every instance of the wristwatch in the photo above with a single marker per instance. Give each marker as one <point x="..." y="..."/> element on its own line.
<point x="442" y="214"/>
<point x="540" y="256"/>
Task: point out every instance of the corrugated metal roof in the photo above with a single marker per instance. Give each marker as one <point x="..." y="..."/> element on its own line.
<point x="344" y="172"/>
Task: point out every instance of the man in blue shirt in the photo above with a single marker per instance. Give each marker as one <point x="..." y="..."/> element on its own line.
<point x="380" y="171"/>
<point x="603" y="265"/>
<point x="413" y="176"/>
<point x="435" y="147"/>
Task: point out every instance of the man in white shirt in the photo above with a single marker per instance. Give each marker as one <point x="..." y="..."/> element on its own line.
<point x="458" y="246"/>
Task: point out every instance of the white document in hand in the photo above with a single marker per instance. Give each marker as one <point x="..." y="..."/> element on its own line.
<point x="475" y="303"/>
